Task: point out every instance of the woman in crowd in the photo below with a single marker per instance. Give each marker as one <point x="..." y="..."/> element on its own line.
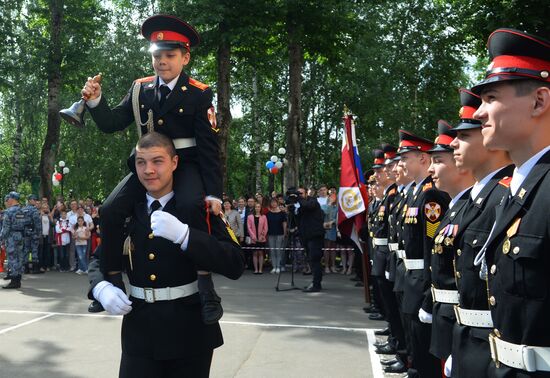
<point x="276" y="231"/>
<point x="257" y="231"/>
<point x="45" y="255"/>
<point x="234" y="219"/>
<point x="95" y="238"/>
<point x="63" y="239"/>
<point x="81" y="234"/>
<point x="331" y="211"/>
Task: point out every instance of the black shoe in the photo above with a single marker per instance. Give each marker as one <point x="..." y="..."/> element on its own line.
<point x="95" y="306"/>
<point x="382" y="344"/>
<point x="389" y="362"/>
<point x="396" y="367"/>
<point x="15" y="283"/>
<point x="370" y="309"/>
<point x="211" y="308"/>
<point x="7" y="278"/>
<point x="376" y="316"/>
<point x="386" y="349"/>
<point x="306" y="273"/>
<point x="36" y="269"/>
<point x="355" y="279"/>
<point x="311" y="288"/>
<point x="383" y="332"/>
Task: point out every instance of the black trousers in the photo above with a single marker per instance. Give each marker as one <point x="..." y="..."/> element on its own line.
<point x="391" y="311"/>
<point x="189" y="193"/>
<point x="427" y="365"/>
<point x="197" y="366"/>
<point x="314" y="248"/>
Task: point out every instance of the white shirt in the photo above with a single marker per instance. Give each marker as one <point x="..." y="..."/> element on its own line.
<point x="478" y="186"/>
<point x="418" y="185"/>
<point x="45" y="225"/>
<point x="521" y="173"/>
<point x="457" y="197"/>
<point x="322" y="200"/>
<point x="163" y="201"/>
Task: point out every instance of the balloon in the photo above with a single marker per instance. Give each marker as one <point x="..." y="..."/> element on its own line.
<point x="61" y="163"/>
<point x="58" y="176"/>
<point x="279" y="164"/>
<point x="274" y="159"/>
<point x="285" y="161"/>
<point x="65" y="170"/>
<point x="282" y="151"/>
<point x="55" y="183"/>
<point x="274" y="170"/>
<point x="269" y="165"/>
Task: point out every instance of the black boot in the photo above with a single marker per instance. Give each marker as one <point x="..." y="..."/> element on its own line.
<point x="36" y="268"/>
<point x="15" y="283"/>
<point x="211" y="308"/>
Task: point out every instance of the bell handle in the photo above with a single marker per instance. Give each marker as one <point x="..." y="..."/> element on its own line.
<point x="97" y="79"/>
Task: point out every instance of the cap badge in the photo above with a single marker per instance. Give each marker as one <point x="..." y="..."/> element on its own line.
<point x="544" y="74"/>
<point x="160" y="36"/>
<point x="461" y="111"/>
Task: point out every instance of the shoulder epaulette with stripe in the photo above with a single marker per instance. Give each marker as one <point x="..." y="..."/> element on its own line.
<point x="145" y="79"/>
<point x="505" y="181"/>
<point x="197" y="84"/>
<point x="428" y="186"/>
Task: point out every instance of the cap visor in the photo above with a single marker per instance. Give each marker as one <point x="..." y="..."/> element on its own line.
<point x="467" y="125"/>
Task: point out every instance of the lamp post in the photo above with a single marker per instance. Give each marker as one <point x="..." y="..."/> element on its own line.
<point x="59" y="177"/>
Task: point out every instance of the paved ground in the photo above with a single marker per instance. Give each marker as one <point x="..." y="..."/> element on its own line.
<point x="45" y="330"/>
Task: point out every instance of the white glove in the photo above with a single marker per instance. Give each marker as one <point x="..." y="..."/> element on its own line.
<point x="448" y="366"/>
<point x="167" y="226"/>
<point x="424" y="317"/>
<point x="387" y="275"/>
<point x="114" y="300"/>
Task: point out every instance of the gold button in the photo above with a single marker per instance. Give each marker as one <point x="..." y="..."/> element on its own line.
<point x="160" y="122"/>
<point x="181" y="110"/>
<point x="459" y="252"/>
<point x="142" y="106"/>
<point x="492" y="300"/>
<point x="475" y="241"/>
<point x="152" y="277"/>
<point x="151" y="236"/>
<point x="493" y="269"/>
<point x="151" y="256"/>
<point x="515" y="250"/>
<point x="430" y="268"/>
<point x="458" y="275"/>
<point x="496" y="332"/>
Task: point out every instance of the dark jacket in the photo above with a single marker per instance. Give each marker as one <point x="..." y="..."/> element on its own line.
<point x="310" y="219"/>
<point x="173" y="329"/>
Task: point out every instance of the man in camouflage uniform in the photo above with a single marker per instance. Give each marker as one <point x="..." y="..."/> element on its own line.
<point x="32" y="235"/>
<point x="13" y="228"/>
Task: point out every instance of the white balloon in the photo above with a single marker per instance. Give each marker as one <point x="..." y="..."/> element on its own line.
<point x="61" y="163"/>
<point x="285" y="161"/>
<point x="279" y="164"/>
<point x="55" y="183"/>
<point x="274" y="159"/>
<point x="282" y="151"/>
<point x="66" y="170"/>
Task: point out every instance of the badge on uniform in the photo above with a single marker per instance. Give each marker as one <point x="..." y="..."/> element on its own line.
<point x="381" y="212"/>
<point x="509" y="233"/>
<point x="432" y="210"/>
<point x="127" y="250"/>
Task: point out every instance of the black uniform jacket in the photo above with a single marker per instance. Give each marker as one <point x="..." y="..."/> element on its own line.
<point x="186" y="113"/>
<point x="518" y="261"/>
<point x="471" y="351"/>
<point x="399" y="281"/>
<point x="425" y="211"/>
<point x="441" y="266"/>
<point x="380" y="229"/>
<point x="393" y="234"/>
<point x="173" y="329"/>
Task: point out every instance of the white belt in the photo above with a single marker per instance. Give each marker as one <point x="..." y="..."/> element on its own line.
<point x="524" y="357"/>
<point x="445" y="296"/>
<point x="401" y="253"/>
<point x="414" y="264"/>
<point x="393" y="246"/>
<point x="473" y="318"/>
<point x="151" y="295"/>
<point x="380" y="241"/>
<point x="181" y="143"/>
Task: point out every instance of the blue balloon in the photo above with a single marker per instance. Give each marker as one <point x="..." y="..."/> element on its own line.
<point x="269" y="164"/>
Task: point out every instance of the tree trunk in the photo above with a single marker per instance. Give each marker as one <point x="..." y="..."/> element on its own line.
<point x="16" y="179"/>
<point x="256" y="134"/>
<point x="51" y="142"/>
<point x="295" y="62"/>
<point x="223" y="89"/>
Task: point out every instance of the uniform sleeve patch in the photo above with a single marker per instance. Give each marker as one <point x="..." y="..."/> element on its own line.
<point x="197" y="84"/>
<point x="431" y="228"/>
<point x="212" y="119"/>
<point x="432" y="211"/>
